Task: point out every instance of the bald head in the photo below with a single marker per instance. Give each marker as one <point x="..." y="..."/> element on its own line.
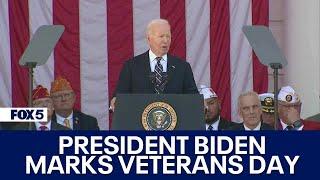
<point x="159" y="36"/>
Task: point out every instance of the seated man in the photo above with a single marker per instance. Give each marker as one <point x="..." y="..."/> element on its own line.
<point x="41" y="98"/>
<point x="64" y="98"/>
<point x="250" y="110"/>
<point x="212" y="106"/>
<point x="267" y="102"/>
<point x="289" y="112"/>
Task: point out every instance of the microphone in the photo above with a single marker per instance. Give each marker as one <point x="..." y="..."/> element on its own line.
<point x="170" y="69"/>
<point x="152" y="77"/>
<point x="164" y="75"/>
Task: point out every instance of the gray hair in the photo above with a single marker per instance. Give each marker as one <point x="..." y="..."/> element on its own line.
<point x="248" y="93"/>
<point x="153" y="22"/>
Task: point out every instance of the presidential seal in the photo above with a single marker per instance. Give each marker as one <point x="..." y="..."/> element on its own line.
<point x="159" y="116"/>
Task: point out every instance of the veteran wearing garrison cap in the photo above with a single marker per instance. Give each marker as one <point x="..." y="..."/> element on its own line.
<point x="267" y="103"/>
<point x="289" y="112"/>
<point x="212" y="110"/>
<point x="41" y="98"/>
<point x="64" y="99"/>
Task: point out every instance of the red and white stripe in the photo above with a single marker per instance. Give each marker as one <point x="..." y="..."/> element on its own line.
<point x="100" y="35"/>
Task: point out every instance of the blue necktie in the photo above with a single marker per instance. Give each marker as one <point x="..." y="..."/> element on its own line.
<point x="158" y="76"/>
<point x="210" y="128"/>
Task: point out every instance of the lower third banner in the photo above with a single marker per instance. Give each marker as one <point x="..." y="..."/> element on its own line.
<point x="138" y="154"/>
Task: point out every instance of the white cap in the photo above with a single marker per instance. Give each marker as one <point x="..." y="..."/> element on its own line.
<point x="207" y="92"/>
<point x="287" y="94"/>
<point x="263" y="96"/>
<point x="267" y="102"/>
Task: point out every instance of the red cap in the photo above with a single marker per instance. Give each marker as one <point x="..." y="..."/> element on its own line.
<point x="40" y="92"/>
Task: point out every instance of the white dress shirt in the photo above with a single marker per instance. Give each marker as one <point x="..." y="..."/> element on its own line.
<point x="255" y="129"/>
<point x="284" y="126"/>
<point x="60" y="120"/>
<point x="38" y="124"/>
<point x="153" y="61"/>
<point x="214" y="125"/>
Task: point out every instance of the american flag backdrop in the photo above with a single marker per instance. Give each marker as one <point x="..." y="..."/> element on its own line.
<point x="101" y="34"/>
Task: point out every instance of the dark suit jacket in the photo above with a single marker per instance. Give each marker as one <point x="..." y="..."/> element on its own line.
<point x="239" y="126"/>
<point x="8" y="125"/>
<point x="81" y="121"/>
<point x="225" y="124"/>
<point x="136" y="77"/>
<point x="307" y="125"/>
<point x="54" y="127"/>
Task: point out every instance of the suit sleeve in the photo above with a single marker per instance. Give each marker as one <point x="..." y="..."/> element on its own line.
<point x="95" y="124"/>
<point x="189" y="84"/>
<point x="91" y="123"/>
<point x="124" y="82"/>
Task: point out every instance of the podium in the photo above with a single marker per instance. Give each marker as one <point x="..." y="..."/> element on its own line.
<point x="158" y="112"/>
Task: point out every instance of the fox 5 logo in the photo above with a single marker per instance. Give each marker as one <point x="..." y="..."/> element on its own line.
<point x="23" y="114"/>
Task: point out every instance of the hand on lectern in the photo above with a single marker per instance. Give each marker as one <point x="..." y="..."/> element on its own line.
<point x="112" y="104"/>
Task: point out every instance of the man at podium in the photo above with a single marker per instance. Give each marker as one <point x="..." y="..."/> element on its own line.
<point x="156" y="71"/>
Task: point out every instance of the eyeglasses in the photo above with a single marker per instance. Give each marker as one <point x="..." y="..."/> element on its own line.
<point x="62" y="96"/>
<point x="45" y="103"/>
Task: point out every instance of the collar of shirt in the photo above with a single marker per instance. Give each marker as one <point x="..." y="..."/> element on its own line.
<point x="255" y="129"/>
<point x="214" y="125"/>
<point x="37" y="124"/>
<point x="284" y="126"/>
<point x="153" y="61"/>
<point x="60" y="119"/>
